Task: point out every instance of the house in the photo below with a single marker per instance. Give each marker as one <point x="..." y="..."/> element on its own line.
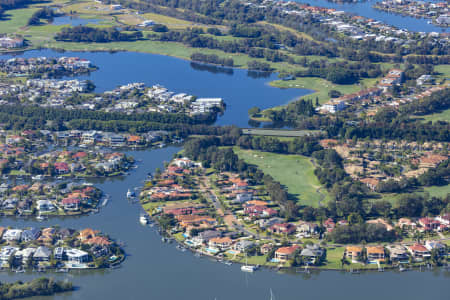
<point x="353" y="253"/>
<point x="312" y="253"/>
<point x="47" y="236"/>
<point x="242" y="245"/>
<point x="371" y="183"/>
<point x="419" y="252"/>
<point x="441" y="248"/>
<point x="58" y="253"/>
<point x="45" y="205"/>
<point x="87" y="234"/>
<point x="42" y="254"/>
<point x="61" y="168"/>
<point x="266" y="248"/>
<point x="31" y="234"/>
<point x="71" y="203"/>
<point x="329" y="224"/>
<point x="375" y="253"/>
<point x="307" y="229"/>
<point x="444" y="219"/>
<point x="398" y="253"/>
<point x="205" y="236"/>
<point x="264" y="223"/>
<point x="429" y="224"/>
<point x="12" y="235"/>
<point x="7" y="42"/>
<point x="97" y="240"/>
<point x="381" y="222"/>
<point x="406" y="223"/>
<point x="6" y="252"/>
<point x="283" y="254"/>
<point x="283" y="228"/>
<point x="25" y="254"/>
<point x="220" y="243"/>
<point x="77" y="256"/>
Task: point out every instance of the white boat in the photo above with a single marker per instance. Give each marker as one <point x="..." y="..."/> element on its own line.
<point x="143" y="219"/>
<point x="247" y="267"/>
<point x="41" y="217"/>
<point x="37" y="177"/>
<point x="130" y="194"/>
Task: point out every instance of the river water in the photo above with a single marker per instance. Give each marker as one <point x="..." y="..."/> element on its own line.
<point x="154" y="270"/>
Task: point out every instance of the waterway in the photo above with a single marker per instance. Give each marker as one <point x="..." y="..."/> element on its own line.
<point x="240" y="89"/>
<point x="156" y="270"/>
<point x="365" y="9"/>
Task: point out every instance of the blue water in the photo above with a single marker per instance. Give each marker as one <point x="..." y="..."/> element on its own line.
<point x="239" y="90"/>
<point x="73" y="21"/>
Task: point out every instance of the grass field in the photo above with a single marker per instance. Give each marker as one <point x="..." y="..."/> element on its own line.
<point x="321" y="86"/>
<point x="295" y="172"/>
<point x="442" y="116"/>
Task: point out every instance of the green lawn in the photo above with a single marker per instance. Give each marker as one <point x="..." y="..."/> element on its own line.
<point x="296" y="172"/>
<point x="15" y="19"/>
<point x="444" y="70"/>
<point x="438" y="191"/>
<point x="322" y="86"/>
<point x="442" y="116"/>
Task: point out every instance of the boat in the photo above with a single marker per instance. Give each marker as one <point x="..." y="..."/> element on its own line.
<point x="401" y="269"/>
<point x="37" y="177"/>
<point x="247" y="267"/>
<point x="40" y="217"/>
<point x="143" y="219"/>
<point x="130" y="194"/>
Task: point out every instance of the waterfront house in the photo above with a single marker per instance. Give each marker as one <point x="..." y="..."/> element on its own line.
<point x="204" y="237"/>
<point x="45" y="205"/>
<point x="31" y="234"/>
<point x="283" y="254"/>
<point x="71" y="203"/>
<point x="419" y="252"/>
<point x="58" y="253"/>
<point x="353" y="253"/>
<point x="397" y="253"/>
<point x="242" y="245"/>
<point x="220" y="243"/>
<point x="47" y="236"/>
<point x="375" y="254"/>
<point x="312" y="253"/>
<point x="6" y="252"/>
<point x="432" y="245"/>
<point x="42" y="254"/>
<point x="76" y="256"/>
<point x="87" y="234"/>
<point x="25" y="254"/>
<point x="97" y="240"/>
<point x="12" y="235"/>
